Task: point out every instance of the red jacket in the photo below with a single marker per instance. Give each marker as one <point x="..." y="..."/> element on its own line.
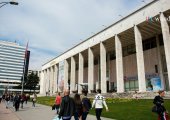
<point x="58" y="100"/>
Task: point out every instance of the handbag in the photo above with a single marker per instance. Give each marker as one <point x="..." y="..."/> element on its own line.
<point x="53" y="107"/>
<point x="155" y="109"/>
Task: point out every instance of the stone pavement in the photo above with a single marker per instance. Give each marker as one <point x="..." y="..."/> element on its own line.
<point x="7" y="114"/>
<point x="40" y="112"/>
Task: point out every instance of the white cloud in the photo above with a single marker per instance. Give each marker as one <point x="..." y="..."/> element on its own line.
<point x="50" y="24"/>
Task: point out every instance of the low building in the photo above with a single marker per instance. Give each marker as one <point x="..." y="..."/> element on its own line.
<point x="132" y="54"/>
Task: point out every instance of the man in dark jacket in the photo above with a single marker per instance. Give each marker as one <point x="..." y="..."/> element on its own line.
<point x="67" y="107"/>
<point x="17" y="102"/>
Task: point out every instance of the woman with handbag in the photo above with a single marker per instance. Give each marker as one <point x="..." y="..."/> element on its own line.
<point x="159" y="102"/>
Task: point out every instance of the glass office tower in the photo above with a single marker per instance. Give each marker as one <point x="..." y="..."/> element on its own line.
<point x="11" y="65"/>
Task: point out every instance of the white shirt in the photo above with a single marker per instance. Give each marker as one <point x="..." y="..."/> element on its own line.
<point x="99" y="101"/>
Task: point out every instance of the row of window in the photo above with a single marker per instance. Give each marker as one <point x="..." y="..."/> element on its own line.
<point x="12" y="51"/>
<point x="11" y="72"/>
<point x="10" y="77"/>
<point x="19" y="48"/>
<point x="10" y="68"/>
<point x="12" y="54"/>
<point x="10" y="65"/>
<point x="11" y="58"/>
<point x="9" y="62"/>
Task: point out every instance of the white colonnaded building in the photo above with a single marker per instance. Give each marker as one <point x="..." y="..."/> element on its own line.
<point x="132" y="54"/>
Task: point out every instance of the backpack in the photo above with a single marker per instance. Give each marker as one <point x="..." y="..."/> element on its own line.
<point x="86" y="104"/>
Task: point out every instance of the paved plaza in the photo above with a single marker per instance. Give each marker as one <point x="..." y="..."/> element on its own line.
<point x="40" y="112"/>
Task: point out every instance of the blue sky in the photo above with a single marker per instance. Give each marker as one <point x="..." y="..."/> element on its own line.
<point x="54" y="26"/>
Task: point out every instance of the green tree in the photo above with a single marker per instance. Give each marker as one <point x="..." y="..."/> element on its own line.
<point x="32" y="81"/>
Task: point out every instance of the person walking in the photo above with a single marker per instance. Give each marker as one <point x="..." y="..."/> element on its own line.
<point x="27" y="97"/>
<point x="34" y="99"/>
<point x="57" y="102"/>
<point x="86" y="104"/>
<point x="67" y="107"/>
<point x="78" y="107"/>
<point x="22" y="99"/>
<point x="16" y="102"/>
<point x="159" y="102"/>
<point x="98" y="102"/>
<point x="7" y="100"/>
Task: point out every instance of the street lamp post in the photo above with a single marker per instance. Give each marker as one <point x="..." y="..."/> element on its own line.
<point x="5" y="3"/>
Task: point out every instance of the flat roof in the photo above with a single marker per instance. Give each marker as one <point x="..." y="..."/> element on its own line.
<point x="11" y="43"/>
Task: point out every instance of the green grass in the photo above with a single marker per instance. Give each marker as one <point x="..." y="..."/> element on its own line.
<point x="121" y="109"/>
<point x="49" y="101"/>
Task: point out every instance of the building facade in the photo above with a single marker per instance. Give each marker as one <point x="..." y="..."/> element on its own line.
<point x="33" y="71"/>
<point x="132" y="54"/>
<point x="11" y="65"/>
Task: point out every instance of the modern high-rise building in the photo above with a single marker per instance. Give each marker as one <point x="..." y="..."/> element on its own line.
<point x="132" y="54"/>
<point x="11" y="65"/>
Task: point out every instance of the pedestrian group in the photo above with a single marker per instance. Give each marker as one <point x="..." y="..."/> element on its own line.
<point x="79" y="106"/>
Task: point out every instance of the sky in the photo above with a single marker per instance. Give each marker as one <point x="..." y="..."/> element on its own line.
<point x="54" y="26"/>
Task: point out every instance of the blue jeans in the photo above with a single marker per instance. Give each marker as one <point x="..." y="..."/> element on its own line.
<point x="76" y="116"/>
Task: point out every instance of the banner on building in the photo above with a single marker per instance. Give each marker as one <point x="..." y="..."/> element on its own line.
<point x="61" y="76"/>
<point x="156" y="83"/>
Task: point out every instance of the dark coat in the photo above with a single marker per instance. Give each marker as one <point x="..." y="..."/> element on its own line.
<point x="67" y="107"/>
<point x="159" y="101"/>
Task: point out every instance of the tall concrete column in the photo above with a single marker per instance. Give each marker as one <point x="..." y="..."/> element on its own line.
<point x="48" y="79"/>
<point x="103" y="67"/>
<point x="98" y="81"/>
<point x="90" y="70"/>
<point x="80" y="74"/>
<point x="51" y="80"/>
<point x="166" y="39"/>
<point x="140" y="60"/>
<point x="56" y="78"/>
<point x="46" y="85"/>
<point x="119" y="65"/>
<point x="65" y="74"/>
<point x="42" y="83"/>
<point x="73" y="74"/>
<point x="160" y="63"/>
